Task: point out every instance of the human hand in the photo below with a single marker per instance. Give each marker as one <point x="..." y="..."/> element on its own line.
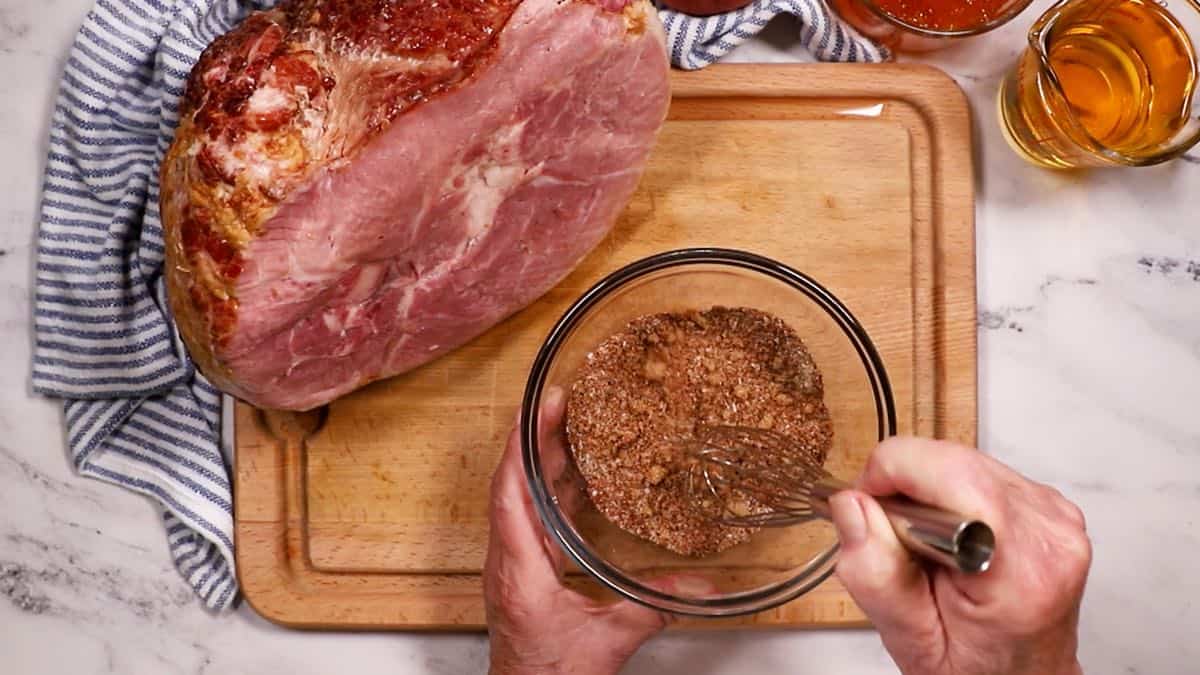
<point x="1018" y="618"/>
<point x="535" y="624"/>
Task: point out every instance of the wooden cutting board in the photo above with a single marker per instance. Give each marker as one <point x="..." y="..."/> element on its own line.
<point x="372" y="513"/>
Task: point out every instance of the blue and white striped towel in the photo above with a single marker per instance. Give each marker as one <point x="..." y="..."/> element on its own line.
<point x="696" y="42"/>
<point x="138" y="414"/>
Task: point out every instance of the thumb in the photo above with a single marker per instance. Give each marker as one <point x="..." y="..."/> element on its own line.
<point x="889" y="585"/>
<point x="627" y="625"/>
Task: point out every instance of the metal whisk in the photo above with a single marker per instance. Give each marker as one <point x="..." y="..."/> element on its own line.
<point x="761" y="480"/>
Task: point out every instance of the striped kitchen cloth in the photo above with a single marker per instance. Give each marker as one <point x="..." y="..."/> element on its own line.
<point x="696" y="42"/>
<point x="138" y="414"/>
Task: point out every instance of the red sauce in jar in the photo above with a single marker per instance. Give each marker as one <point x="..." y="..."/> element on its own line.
<point x="944" y="15"/>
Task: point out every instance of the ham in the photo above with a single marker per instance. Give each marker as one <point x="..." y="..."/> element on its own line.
<point x="357" y="187"/>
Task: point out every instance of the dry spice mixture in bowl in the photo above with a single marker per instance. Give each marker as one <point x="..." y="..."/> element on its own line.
<point x="670" y="342"/>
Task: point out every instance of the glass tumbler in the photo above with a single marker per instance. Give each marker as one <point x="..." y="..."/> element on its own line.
<point x="1105" y="83"/>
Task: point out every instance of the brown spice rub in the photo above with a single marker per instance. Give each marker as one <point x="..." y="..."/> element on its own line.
<point x="646" y="389"/>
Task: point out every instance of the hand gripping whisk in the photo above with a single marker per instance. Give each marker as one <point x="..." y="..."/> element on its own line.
<point x="762" y="481"/>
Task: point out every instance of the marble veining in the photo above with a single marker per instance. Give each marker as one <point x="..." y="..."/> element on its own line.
<point x="1089" y="332"/>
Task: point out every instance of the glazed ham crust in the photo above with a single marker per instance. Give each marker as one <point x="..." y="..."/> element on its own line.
<point x="359" y="186"/>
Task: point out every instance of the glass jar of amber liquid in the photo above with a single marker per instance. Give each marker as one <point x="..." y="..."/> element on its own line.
<point x="1105" y="83"/>
<point x="925" y="25"/>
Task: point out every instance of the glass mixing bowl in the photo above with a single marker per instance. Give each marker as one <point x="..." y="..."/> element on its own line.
<point x="776" y="565"/>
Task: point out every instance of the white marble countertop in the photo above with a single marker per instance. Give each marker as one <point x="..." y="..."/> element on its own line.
<point x="1089" y="295"/>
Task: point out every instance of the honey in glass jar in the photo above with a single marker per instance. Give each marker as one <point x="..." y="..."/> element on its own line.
<point x="1105" y="82"/>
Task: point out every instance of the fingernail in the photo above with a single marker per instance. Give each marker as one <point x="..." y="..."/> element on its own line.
<point x="553" y="397"/>
<point x="849" y="518"/>
<point x="692" y="585"/>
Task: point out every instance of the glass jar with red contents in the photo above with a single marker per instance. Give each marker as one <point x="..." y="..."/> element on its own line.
<point x="705" y="7"/>
<point x="925" y="25"/>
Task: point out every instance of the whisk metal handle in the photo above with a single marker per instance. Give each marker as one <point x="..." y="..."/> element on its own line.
<point x="938" y="535"/>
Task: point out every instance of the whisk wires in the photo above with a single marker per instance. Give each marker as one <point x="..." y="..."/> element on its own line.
<point x="759" y="478"/>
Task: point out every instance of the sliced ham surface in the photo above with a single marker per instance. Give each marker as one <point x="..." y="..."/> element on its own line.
<point x="357" y="187"/>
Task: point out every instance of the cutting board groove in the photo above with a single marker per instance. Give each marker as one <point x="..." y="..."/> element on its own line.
<point x="371" y="514"/>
